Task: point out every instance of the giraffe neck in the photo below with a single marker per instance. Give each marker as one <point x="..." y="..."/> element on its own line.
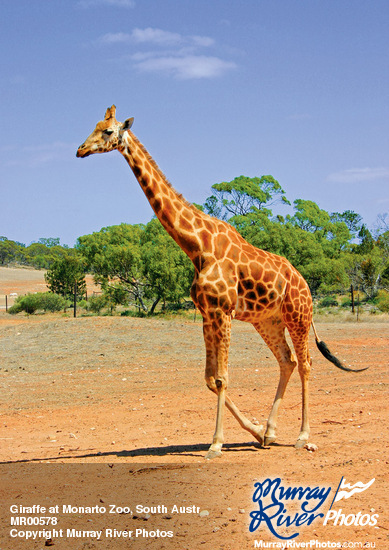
<point x="180" y="219"/>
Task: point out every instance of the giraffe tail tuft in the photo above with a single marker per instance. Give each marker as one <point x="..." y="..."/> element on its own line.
<point x="323" y="348"/>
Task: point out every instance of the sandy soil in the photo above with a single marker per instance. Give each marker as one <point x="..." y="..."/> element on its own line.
<point x="102" y="408"/>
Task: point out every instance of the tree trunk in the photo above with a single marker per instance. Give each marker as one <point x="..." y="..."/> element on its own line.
<point x="154" y="305"/>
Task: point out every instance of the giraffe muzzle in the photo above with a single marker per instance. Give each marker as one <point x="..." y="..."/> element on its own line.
<point x="81" y="153"/>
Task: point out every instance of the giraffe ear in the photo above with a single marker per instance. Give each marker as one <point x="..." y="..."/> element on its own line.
<point x="128" y="123"/>
<point x="110" y="112"/>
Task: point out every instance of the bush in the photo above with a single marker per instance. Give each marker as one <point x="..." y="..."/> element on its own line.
<point x="382" y="301"/>
<point x="52" y="302"/>
<point x="96" y="303"/>
<point x="31" y="303"/>
<point x="129" y="313"/>
<point x="328" y="301"/>
<point x="16" y="308"/>
<point x="345" y="302"/>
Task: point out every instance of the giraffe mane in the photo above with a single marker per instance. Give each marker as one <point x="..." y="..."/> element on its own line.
<point x="156" y="167"/>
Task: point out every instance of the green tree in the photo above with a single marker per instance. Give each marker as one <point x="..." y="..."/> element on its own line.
<point x="369" y="278"/>
<point x="352" y="220"/>
<point x="331" y="231"/>
<point x="37" y="255"/>
<point x="10" y="251"/>
<point x="168" y="271"/>
<point x="44" y="253"/>
<point x="310" y="217"/>
<point x="113" y="254"/>
<point x="137" y="263"/>
<point x="67" y="276"/>
<point x="280" y="237"/>
<point x="366" y="241"/>
<point x="325" y="275"/>
<point x="241" y="195"/>
<point x="50" y="242"/>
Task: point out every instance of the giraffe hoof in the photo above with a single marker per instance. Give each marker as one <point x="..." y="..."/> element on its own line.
<point x="212" y="454"/>
<point x="300" y="444"/>
<point x="269" y="440"/>
<point x="258" y="434"/>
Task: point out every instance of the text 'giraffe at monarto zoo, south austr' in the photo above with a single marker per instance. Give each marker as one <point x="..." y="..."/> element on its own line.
<point x="233" y="279"/>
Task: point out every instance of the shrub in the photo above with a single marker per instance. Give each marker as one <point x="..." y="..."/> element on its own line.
<point x="16" y="308"/>
<point x="134" y="313"/>
<point x="52" y="302"/>
<point x="31" y="303"/>
<point x="96" y="303"/>
<point x="382" y="301"/>
<point x="328" y="301"/>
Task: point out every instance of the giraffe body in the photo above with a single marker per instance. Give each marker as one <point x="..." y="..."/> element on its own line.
<point x="233" y="279"/>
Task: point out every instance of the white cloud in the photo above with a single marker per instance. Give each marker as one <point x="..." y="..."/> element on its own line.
<point x="204" y="41"/>
<point x="115" y="3"/>
<point x="180" y="57"/>
<point x="156" y="36"/>
<point x="357" y="175"/>
<point x="187" y="67"/>
<point x="159" y="37"/>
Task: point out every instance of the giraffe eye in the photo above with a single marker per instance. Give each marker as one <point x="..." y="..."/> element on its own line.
<point x="108" y="132"/>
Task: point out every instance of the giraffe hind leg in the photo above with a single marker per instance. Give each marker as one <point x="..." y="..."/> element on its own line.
<point x="300" y="344"/>
<point x="273" y="334"/>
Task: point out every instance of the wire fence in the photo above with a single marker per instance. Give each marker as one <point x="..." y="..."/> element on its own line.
<point x="7" y="300"/>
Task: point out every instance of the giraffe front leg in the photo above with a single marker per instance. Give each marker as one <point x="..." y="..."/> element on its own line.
<point x="256" y="431"/>
<point x="215" y="450"/>
<point x="217" y="332"/>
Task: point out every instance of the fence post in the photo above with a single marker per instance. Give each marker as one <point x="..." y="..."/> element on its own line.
<point x="358" y="306"/>
<point x="6" y="303"/>
<point x="75" y="300"/>
<point x="352" y="299"/>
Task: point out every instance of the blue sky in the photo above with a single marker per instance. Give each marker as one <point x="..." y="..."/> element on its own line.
<point x="293" y="88"/>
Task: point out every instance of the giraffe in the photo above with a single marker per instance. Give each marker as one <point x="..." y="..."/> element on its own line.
<point x="233" y="279"/>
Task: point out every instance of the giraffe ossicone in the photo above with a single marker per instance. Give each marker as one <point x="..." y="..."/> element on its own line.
<point x="233" y="279"/>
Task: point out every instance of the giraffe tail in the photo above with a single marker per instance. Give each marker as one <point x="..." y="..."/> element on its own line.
<point x="323" y="348"/>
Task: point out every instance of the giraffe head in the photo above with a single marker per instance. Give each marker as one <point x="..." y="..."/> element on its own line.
<point x="106" y="136"/>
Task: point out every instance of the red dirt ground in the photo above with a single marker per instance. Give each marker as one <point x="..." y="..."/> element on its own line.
<point x="114" y="409"/>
